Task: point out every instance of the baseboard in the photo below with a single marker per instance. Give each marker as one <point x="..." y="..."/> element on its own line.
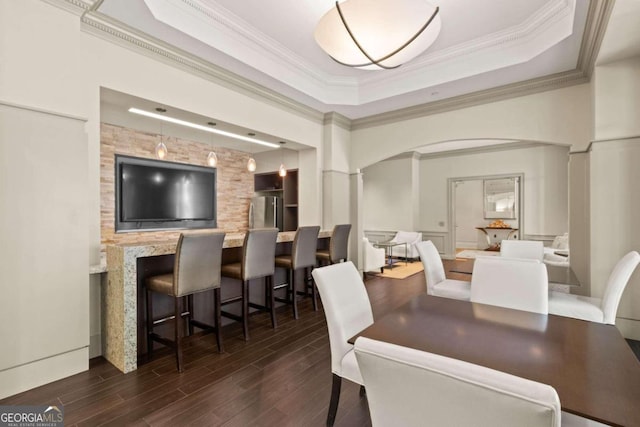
<point x="30" y="375"/>
<point x="95" y="346"/>
<point x="629" y="328"/>
<point x="467" y="245"/>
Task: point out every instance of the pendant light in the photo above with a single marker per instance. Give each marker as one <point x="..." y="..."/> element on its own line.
<point x="251" y="165"/>
<point x="282" y="171"/>
<point x="161" y="149"/>
<point x="212" y="158"/>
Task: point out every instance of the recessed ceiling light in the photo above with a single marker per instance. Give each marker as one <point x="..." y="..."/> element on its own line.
<point x="251" y="134"/>
<point x="211" y="123"/>
<point x="161" y="110"/>
<point x="200" y="127"/>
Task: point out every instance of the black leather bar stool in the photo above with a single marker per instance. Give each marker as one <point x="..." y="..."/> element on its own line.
<point x="338" y="246"/>
<point x="303" y="255"/>
<point x="258" y="253"/>
<point x="196" y="269"/>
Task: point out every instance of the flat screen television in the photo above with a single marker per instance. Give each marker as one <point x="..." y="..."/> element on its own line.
<point x="160" y="195"/>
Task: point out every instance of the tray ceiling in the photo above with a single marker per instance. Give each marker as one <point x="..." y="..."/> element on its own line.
<point x="482" y="45"/>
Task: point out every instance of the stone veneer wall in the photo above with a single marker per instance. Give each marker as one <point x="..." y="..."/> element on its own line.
<point x="234" y="182"/>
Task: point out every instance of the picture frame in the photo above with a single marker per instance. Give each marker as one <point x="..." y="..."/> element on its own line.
<point x="500" y="198"/>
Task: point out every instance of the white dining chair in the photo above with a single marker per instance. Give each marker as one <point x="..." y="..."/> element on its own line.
<point x="373" y="259"/>
<point x="601" y="310"/>
<point x="521" y="284"/>
<point x="348" y="311"/>
<point x="437" y="283"/>
<point x="523" y="249"/>
<point x="413" y="388"/>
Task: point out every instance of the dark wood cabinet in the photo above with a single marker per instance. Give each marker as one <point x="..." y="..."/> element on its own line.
<point x="272" y="184"/>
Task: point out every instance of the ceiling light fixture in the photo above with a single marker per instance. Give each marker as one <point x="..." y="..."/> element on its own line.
<point x="161" y="149"/>
<point x="282" y="171"/>
<point x="212" y="158"/>
<point x="378" y="34"/>
<point x="201" y="127"/>
<point x="251" y="164"/>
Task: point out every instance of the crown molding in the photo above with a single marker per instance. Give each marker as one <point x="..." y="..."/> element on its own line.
<point x="633" y="139"/>
<point x="410" y="155"/>
<point x="595" y="28"/>
<point x="115" y="31"/>
<point x="77" y="7"/>
<point x="337" y="119"/>
<point x="513" y="90"/>
<point x="466" y="151"/>
<point x="520" y="145"/>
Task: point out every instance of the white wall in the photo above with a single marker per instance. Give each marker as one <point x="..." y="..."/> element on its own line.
<point x="44" y="312"/>
<point x="469" y="207"/>
<point x="615" y="195"/>
<point x="617" y="92"/>
<point x="269" y="161"/>
<point x="387" y="196"/>
<point x="388" y="191"/>
<point x="562" y="116"/>
<point x="545" y="170"/>
<point x="335" y="178"/>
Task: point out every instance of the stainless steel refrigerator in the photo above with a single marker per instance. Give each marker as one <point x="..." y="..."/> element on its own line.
<point x="266" y="212"/>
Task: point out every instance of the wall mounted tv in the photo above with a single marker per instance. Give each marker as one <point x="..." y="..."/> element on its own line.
<point x="160" y="195"/>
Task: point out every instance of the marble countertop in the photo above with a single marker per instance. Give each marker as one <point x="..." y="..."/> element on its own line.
<point x="159" y="247"/>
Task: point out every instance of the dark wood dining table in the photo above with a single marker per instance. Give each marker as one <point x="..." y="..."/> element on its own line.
<point x="590" y="365"/>
<point x="556" y="273"/>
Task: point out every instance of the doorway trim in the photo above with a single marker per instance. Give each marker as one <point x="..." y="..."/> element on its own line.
<point x="451" y="202"/>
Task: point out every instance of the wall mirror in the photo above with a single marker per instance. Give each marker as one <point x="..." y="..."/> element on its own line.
<point x="500" y="198"/>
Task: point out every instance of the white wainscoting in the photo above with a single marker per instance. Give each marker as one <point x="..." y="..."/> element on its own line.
<point x="545" y="239"/>
<point x="439" y="239"/>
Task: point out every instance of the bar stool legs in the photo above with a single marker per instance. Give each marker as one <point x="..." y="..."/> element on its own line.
<point x="178" y="331"/>
<point x="245" y="309"/>
<point x="179" y="315"/>
<point x="217" y="312"/>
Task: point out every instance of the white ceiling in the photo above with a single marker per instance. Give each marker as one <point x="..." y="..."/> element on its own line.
<point x="482" y="45"/>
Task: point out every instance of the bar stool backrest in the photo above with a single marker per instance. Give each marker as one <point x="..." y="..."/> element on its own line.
<point x="258" y="253"/>
<point x="303" y="252"/>
<point x="338" y="246"/>
<point x="197" y="262"/>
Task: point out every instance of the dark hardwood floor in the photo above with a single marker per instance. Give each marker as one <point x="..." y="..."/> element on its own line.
<point x="281" y="377"/>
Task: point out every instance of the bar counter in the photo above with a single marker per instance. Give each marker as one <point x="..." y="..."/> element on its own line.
<point x="120" y="297"/>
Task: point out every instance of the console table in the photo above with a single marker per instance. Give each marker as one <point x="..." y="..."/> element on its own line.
<point x="495" y="235"/>
<point x="120" y="297"/>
